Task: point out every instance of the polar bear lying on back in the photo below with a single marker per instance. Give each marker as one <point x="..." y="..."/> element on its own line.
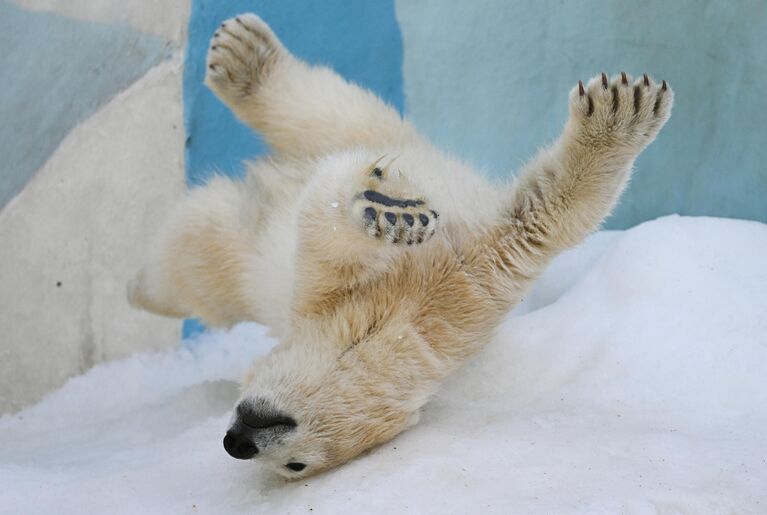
<point x="379" y="262"/>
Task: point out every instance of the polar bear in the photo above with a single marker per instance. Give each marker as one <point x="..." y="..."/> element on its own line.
<point x="379" y="262"/>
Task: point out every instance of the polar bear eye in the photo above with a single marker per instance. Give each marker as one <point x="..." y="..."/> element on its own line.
<point x="295" y="466"/>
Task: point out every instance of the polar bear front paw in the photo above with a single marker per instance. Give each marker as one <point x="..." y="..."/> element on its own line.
<point x="242" y="53"/>
<point x="618" y="113"/>
<point x="386" y="211"/>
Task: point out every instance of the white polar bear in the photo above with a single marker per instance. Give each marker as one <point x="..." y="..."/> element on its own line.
<point x="379" y="262"/>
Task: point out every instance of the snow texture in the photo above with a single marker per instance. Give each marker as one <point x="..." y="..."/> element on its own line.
<point x="632" y="380"/>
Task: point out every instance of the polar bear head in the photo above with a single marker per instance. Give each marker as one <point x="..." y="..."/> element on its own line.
<point x="334" y="389"/>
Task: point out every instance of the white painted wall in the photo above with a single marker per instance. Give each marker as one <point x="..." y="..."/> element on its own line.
<point x="79" y="229"/>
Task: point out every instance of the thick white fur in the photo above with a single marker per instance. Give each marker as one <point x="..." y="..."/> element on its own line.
<point x="370" y="325"/>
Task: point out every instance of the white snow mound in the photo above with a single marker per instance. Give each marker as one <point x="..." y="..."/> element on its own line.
<point x="632" y="380"/>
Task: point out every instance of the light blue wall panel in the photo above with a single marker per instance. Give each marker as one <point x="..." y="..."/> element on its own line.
<point x="489" y="79"/>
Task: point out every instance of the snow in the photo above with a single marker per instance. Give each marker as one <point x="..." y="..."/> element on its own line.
<point x="633" y="379"/>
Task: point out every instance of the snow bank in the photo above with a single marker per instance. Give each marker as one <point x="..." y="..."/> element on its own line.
<point x="632" y="380"/>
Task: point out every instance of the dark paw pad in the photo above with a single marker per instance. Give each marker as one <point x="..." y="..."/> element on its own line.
<point x="399" y="221"/>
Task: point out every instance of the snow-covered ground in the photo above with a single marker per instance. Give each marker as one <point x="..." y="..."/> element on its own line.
<point x="632" y="380"/>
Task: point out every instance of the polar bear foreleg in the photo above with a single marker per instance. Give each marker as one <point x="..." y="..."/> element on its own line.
<point x="301" y="110"/>
<point x="568" y="189"/>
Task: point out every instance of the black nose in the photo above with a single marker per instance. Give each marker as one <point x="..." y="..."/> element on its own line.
<point x="239" y="445"/>
<point x="257" y="424"/>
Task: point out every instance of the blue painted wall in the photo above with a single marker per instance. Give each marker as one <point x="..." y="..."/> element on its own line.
<point x="488" y="79"/>
<point x="55" y="73"/>
<point x="360" y="40"/>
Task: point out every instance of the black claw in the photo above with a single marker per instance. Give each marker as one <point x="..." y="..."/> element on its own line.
<point x="370" y="214"/>
<point x="436" y="215"/>
<point x="424" y="219"/>
<point x="624" y="79"/>
<point x="212" y="66"/>
<point x="581" y="89"/>
<point x="391" y="217"/>
<point x="663" y="86"/>
<point x="409" y="220"/>
<point x="646" y="80"/>
<point x="615" y="99"/>
<point x="604" y="81"/>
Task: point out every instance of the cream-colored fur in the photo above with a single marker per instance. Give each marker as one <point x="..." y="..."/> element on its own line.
<point x="373" y="315"/>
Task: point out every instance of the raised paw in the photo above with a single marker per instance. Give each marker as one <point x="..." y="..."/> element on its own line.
<point x="386" y="211"/>
<point x="619" y="112"/>
<point x="242" y="53"/>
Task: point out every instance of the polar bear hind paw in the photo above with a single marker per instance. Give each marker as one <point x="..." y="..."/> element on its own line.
<point x="397" y="219"/>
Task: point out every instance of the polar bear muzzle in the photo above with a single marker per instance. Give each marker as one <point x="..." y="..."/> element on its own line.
<point x="255" y="425"/>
